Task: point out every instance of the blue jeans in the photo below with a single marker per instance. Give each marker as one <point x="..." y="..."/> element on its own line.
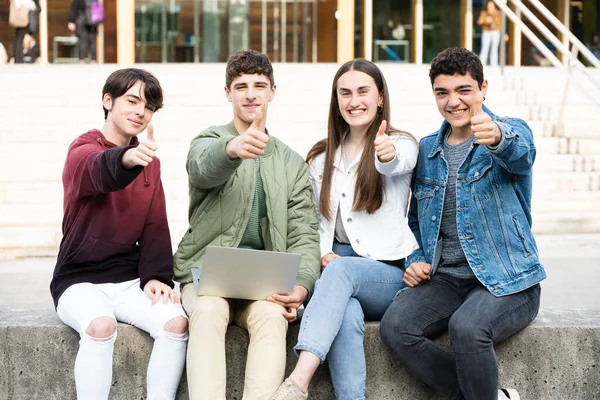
<point x="490" y="42"/>
<point x="350" y="289"/>
<point x="475" y="320"/>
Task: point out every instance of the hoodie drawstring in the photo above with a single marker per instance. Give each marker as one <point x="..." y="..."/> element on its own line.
<point x="146" y="181"/>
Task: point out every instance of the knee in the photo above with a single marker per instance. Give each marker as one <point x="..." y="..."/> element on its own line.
<point x="387" y="328"/>
<point x="267" y="314"/>
<point x="102" y="329"/>
<point x="177" y="326"/>
<point x="338" y="271"/>
<point x="207" y="308"/>
<point x="334" y="268"/>
<point x="466" y="335"/>
<point x="395" y="330"/>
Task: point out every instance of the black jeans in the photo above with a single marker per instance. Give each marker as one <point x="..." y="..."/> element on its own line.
<point x="18" y="45"/>
<point x="475" y="320"/>
<point x="87" y="42"/>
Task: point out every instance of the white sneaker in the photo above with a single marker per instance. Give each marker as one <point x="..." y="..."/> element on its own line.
<point x="289" y="390"/>
<point x="508" y="394"/>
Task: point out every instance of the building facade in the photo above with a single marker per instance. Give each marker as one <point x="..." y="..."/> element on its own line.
<point x="414" y="31"/>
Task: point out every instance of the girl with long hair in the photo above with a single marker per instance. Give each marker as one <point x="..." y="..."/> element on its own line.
<point x="360" y="175"/>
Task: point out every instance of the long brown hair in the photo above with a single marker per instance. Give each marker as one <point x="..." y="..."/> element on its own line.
<point x="369" y="188"/>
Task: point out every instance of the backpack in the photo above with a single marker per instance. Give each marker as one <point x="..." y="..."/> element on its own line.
<point x="94" y="12"/>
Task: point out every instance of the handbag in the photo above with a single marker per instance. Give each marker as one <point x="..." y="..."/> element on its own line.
<point x="18" y="17"/>
<point x="34" y="22"/>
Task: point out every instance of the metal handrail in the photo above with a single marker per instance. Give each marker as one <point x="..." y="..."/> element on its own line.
<point x="563" y="29"/>
<point x="572" y="57"/>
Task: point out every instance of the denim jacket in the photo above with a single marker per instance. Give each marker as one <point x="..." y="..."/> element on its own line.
<point x="493" y="207"/>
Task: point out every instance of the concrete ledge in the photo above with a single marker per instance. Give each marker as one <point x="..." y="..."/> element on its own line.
<point x="557" y="357"/>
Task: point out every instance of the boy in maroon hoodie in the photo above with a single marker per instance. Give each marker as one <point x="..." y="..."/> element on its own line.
<point x="115" y="260"/>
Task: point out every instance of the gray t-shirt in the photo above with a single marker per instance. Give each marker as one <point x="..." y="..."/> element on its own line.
<point x="453" y="261"/>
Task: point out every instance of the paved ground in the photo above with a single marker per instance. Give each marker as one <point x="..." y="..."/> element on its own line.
<point x="572" y="264"/>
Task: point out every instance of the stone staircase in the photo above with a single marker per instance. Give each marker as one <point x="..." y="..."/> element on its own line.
<point x="43" y="108"/>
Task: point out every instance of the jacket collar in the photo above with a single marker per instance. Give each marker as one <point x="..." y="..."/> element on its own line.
<point x="439" y="139"/>
<point x="338" y="162"/>
<point x="270" y="144"/>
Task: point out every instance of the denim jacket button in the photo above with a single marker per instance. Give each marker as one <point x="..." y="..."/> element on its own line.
<point x="433" y="218"/>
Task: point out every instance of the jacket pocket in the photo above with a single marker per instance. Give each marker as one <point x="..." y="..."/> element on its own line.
<point x="522" y="237"/>
<point x="482" y="180"/>
<point x="424" y="194"/>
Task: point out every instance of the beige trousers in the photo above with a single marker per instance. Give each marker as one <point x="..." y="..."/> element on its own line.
<point x="209" y="317"/>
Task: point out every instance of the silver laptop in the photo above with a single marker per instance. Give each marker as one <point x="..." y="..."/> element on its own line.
<point x="245" y="274"/>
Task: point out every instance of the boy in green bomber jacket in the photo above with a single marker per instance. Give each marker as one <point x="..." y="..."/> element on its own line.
<point x="247" y="189"/>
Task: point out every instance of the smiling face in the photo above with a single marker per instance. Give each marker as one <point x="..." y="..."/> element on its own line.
<point x="455" y="97"/>
<point x="358" y="99"/>
<point x="128" y="115"/>
<point x="247" y="94"/>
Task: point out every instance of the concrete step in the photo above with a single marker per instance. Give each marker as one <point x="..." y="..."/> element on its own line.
<point x="564" y="202"/>
<point x="39" y="353"/>
<point x="567" y="223"/>
<point x="173" y="154"/>
<point x="39" y="226"/>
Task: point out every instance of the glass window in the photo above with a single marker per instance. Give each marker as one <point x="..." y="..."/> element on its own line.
<point x="212" y="30"/>
<point x="441" y="26"/>
<point x="392" y="30"/>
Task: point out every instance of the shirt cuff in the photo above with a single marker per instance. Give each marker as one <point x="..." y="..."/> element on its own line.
<point x="502" y="141"/>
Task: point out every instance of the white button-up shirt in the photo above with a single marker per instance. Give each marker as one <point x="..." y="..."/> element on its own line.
<point x="383" y="235"/>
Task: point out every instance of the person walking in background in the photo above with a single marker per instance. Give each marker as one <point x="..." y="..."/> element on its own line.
<point x="360" y="175"/>
<point x="30" y="51"/>
<point x="490" y="21"/>
<point x="115" y="261"/>
<point x="84" y="28"/>
<point x="20" y="32"/>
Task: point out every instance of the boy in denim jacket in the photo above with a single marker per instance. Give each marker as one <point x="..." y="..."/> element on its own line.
<point x="471" y="215"/>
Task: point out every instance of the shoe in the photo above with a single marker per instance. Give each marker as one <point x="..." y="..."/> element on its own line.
<point x="290" y="390"/>
<point x="510" y="394"/>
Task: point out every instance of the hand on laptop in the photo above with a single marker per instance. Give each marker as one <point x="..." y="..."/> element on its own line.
<point x="290" y="301"/>
<point x="154" y="289"/>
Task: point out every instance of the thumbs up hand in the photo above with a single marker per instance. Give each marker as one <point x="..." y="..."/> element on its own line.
<point x="250" y="144"/>
<point x="143" y="154"/>
<point x="485" y="130"/>
<point x="383" y="144"/>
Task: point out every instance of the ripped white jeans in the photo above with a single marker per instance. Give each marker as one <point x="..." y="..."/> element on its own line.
<point x="125" y="302"/>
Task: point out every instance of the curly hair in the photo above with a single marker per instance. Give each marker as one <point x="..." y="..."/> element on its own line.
<point x="248" y="62"/>
<point x="456" y="60"/>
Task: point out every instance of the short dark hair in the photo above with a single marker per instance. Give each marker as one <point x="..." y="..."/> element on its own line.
<point x="120" y="81"/>
<point x="456" y="60"/>
<point x="248" y="62"/>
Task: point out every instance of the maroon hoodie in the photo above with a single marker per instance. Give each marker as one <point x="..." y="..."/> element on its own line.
<point x="115" y="222"/>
